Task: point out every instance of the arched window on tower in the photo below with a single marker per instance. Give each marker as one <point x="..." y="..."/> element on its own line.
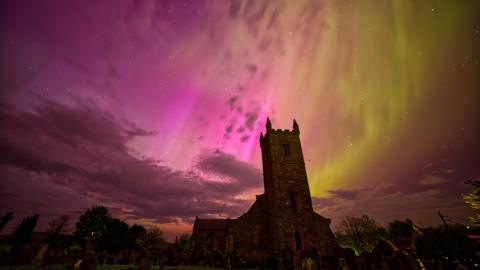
<point x="286" y="148"/>
<point x="293" y="202"/>
<point x="298" y="241"/>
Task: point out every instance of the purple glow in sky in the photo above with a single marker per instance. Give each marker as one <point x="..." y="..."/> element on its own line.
<point x="154" y="108"/>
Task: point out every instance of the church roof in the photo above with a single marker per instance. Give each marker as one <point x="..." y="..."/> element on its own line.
<point x="210" y="224"/>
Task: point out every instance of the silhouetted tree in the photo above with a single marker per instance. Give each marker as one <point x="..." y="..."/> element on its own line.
<point x="361" y="234"/>
<point x="473" y="199"/>
<point x="23" y="234"/>
<point x="93" y="223"/>
<point x="5" y="219"/>
<point x="153" y="241"/>
<point x="115" y="237"/>
<point x="465" y="229"/>
<point x="440" y="243"/>
<point x="56" y="227"/>
<point x="398" y="228"/>
<point x="135" y="232"/>
<point x="182" y="243"/>
<point x="60" y="224"/>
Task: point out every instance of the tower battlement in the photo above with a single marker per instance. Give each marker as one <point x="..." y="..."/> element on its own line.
<point x="269" y="130"/>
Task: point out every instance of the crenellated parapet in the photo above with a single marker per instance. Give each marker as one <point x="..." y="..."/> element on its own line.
<point x="269" y="130"/>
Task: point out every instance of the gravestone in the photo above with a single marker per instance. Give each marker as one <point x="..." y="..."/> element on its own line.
<point x="89" y="262"/>
<point x="144" y="260"/>
<point x="110" y="259"/>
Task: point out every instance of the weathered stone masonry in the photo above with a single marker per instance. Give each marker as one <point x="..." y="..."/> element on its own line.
<point x="281" y="218"/>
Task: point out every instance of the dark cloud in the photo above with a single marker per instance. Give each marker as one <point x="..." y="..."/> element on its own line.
<point x="430" y="180"/>
<point x="244" y="138"/>
<point x="235" y="7"/>
<point x="320" y="204"/>
<point x="251" y="68"/>
<point x="265" y="44"/>
<point x="272" y="22"/>
<point x="32" y="192"/>
<point x="233" y="102"/>
<point x="344" y="194"/>
<point x="9" y="195"/>
<point x="85" y="149"/>
<point x="242" y="174"/>
<point x="241" y="88"/>
<point x="253" y="13"/>
<point x="229" y="128"/>
<point x="250" y="119"/>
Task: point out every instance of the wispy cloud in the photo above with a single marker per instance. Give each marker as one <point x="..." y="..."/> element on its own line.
<point x="429" y="180"/>
<point x="85" y="149"/>
<point x="385" y="205"/>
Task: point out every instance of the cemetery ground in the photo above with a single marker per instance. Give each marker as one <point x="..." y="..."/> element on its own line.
<point x="104" y="267"/>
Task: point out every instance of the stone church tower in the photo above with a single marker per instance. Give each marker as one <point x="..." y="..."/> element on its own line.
<point x="282" y="219"/>
<point x="292" y="220"/>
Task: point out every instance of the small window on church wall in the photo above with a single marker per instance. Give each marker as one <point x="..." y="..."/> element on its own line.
<point x="298" y="241"/>
<point x="286" y="148"/>
<point x="293" y="202"/>
<point x="210" y="241"/>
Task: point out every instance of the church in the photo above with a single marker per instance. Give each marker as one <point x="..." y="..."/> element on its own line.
<point x="280" y="221"/>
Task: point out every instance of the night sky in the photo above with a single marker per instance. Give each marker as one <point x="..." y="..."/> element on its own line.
<point x="154" y="109"/>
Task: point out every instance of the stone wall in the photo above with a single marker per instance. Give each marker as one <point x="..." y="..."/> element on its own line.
<point x="281" y="220"/>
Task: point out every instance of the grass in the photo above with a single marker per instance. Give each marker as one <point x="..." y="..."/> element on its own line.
<point x="105" y="267"/>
